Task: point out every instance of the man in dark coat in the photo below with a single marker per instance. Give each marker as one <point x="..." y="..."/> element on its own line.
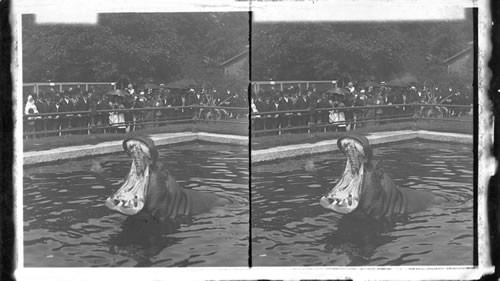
<point x="139" y="103"/>
<point x="195" y="98"/>
<point x="312" y="105"/>
<point x="349" y="100"/>
<point x="285" y="104"/>
<point x="360" y="101"/>
<point x="322" y="115"/>
<point x="82" y="119"/>
<point x="102" y="118"/>
<point x="40" y="123"/>
<point x="52" y="123"/>
<point x="270" y="119"/>
<point x="66" y="105"/>
<point x="301" y="118"/>
<point x="177" y="101"/>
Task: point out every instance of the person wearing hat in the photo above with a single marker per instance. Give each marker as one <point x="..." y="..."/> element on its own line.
<point x="259" y="107"/>
<point x="130" y="89"/>
<point x="51" y="122"/>
<point x="301" y="118"/>
<point x="378" y="100"/>
<point x="390" y="99"/>
<point x="42" y="106"/>
<point x="261" y="121"/>
<point x="194" y="98"/>
<point x="350" y="87"/>
<point x="383" y="86"/>
<point x="271" y="121"/>
<point x="322" y="114"/>
<point x="81" y="120"/>
<point x="176" y="101"/>
<point x="139" y="102"/>
<point x="349" y="100"/>
<point x="359" y="114"/>
<point x="336" y="114"/>
<point x="285" y="104"/>
<point x="102" y="118"/>
<point x="66" y="105"/>
<point x="312" y="104"/>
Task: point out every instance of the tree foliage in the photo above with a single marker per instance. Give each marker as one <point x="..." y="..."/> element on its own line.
<point x="328" y="50"/>
<point x="144" y="47"/>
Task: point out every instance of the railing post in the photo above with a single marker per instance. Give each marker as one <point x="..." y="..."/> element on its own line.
<point x="415" y="119"/>
<point x="92" y="122"/>
<point x="195" y="119"/>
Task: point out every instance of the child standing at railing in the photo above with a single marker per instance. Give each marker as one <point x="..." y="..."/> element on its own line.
<point x="30" y="124"/>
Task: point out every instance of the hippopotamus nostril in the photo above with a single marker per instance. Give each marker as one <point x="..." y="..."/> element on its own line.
<point x="116" y="201"/>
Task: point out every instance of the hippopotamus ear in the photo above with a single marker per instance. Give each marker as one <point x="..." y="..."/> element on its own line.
<point x="148" y="142"/>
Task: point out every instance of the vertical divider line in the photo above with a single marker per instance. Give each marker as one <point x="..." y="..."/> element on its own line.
<point x="249" y="137"/>
<point x="475" y="102"/>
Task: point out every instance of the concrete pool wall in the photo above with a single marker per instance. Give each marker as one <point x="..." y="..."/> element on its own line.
<point x="72" y="152"/>
<point x="289" y="151"/>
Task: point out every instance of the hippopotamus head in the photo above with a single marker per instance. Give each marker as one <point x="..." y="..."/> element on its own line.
<point x="130" y="199"/>
<point x="346" y="195"/>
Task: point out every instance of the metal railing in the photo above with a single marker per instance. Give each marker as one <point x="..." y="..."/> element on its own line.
<point x="322" y="85"/>
<point x="37" y="87"/>
<point x="112" y="120"/>
<point x="318" y="119"/>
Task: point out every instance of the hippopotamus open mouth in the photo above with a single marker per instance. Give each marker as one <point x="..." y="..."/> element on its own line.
<point x="345" y="195"/>
<point x="150" y="189"/>
<point x="131" y="196"/>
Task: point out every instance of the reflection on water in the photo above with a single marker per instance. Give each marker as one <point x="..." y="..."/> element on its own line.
<point x="67" y="224"/>
<point x="289" y="228"/>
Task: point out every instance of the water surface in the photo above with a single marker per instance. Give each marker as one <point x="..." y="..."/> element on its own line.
<point x="290" y="228"/>
<point x="67" y="224"/>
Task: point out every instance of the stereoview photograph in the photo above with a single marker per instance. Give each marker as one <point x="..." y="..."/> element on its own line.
<point x="135" y="135"/>
<point x="362" y="147"/>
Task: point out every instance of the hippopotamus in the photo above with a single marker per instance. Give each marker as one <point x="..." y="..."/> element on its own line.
<point x="367" y="189"/>
<point x="149" y="188"/>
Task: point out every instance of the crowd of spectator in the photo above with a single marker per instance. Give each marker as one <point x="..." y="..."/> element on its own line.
<point x="83" y="111"/>
<point x="78" y="112"/>
<point x="338" y="109"/>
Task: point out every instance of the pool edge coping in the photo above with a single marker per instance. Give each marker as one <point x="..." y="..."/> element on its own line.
<point x="290" y="151"/>
<point x="78" y="151"/>
<point x="261" y="155"/>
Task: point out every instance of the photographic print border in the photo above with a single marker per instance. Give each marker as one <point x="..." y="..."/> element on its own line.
<point x="485" y="165"/>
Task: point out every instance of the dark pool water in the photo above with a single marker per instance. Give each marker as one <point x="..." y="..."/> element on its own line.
<point x="290" y="228"/>
<point x="67" y="224"/>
